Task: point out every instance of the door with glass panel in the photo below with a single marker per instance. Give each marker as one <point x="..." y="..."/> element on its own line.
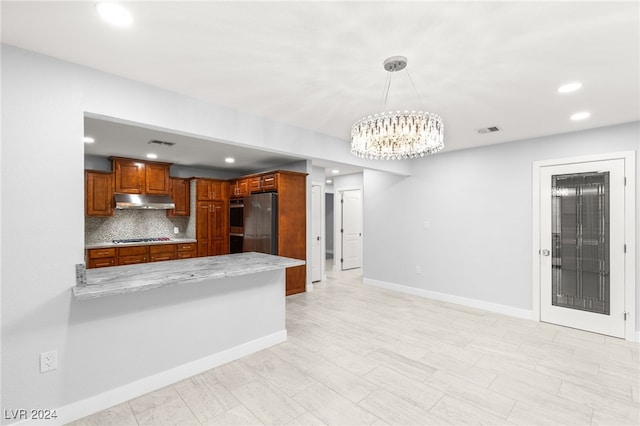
<point x="582" y="246"/>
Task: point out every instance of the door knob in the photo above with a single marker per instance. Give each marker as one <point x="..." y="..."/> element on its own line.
<point x="318" y="238"/>
<point x="546" y="252"/>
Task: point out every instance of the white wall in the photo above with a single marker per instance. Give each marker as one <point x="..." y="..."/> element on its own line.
<point x="478" y="204"/>
<point x="42" y="196"/>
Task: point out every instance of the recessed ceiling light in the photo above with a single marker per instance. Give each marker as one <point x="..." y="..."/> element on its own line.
<point x="115" y="14"/>
<point x="329" y="181"/>
<point x="335" y="171"/>
<point x="570" y="87"/>
<point x="229" y="160"/>
<point x="150" y="155"/>
<point x="580" y="116"/>
<point x="88" y="139"/>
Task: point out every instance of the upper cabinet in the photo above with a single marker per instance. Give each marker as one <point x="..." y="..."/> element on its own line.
<point x="264" y="182"/>
<point x="239" y="188"/>
<point x="211" y="189"/>
<point x="181" y="197"/>
<point x="98" y="193"/>
<point x="140" y="177"/>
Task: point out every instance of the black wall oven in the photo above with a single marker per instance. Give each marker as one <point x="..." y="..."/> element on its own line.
<point x="236" y="225"/>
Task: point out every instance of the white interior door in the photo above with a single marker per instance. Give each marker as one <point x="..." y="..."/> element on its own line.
<point x="351" y="229"/>
<point x="316" y="230"/>
<point x="582" y="241"/>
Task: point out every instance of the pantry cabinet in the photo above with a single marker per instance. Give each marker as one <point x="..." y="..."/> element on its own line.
<point x="212" y="228"/>
<point x="212" y="216"/>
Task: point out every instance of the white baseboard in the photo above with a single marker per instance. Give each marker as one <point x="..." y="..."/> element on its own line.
<point x="91" y="405"/>
<point x="474" y="303"/>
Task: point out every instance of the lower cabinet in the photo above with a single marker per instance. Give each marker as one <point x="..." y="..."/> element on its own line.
<point x="186" y="250"/>
<point x="130" y="255"/>
<point x="100" y="258"/>
<point x="162" y="252"/>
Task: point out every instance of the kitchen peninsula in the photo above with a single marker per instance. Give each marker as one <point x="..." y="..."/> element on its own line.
<point x="146" y="276"/>
<point x="137" y="213"/>
<point x="175" y="319"/>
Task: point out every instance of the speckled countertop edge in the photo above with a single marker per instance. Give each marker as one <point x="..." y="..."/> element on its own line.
<point x="109" y="244"/>
<point x="146" y="276"/>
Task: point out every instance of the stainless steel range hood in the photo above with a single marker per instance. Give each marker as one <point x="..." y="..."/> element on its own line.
<point x="140" y="202"/>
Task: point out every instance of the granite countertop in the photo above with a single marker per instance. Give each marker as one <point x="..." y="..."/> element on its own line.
<point x="114" y="280"/>
<point x="109" y="244"/>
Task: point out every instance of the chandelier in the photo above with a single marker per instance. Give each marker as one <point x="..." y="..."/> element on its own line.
<point x="397" y="135"/>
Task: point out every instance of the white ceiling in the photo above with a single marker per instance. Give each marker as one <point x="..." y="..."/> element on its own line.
<point x="318" y="65"/>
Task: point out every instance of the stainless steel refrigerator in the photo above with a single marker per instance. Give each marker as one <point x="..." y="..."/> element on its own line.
<point x="261" y="223"/>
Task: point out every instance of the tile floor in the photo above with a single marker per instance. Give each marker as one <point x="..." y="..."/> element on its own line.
<point x="358" y="355"/>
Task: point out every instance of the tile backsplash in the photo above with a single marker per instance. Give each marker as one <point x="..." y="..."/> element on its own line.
<point x="136" y="224"/>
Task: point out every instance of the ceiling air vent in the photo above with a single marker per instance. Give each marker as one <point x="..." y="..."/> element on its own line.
<point x="491" y="129"/>
<point x="161" y="143"/>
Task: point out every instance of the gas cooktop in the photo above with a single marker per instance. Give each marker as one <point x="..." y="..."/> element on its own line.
<point x="140" y="240"/>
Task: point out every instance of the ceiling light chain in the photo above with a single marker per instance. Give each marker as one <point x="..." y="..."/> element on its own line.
<point x="398" y="135"/>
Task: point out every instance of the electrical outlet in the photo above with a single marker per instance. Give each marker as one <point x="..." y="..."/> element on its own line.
<point x="418" y="269"/>
<point x="48" y="361"/>
<point x="426" y="225"/>
<point x="176" y="230"/>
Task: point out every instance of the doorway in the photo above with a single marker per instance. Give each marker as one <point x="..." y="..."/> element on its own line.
<point x="584" y="229"/>
<point x="351" y="229"/>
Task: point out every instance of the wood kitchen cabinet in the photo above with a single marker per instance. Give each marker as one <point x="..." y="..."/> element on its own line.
<point x="264" y="183"/>
<point x="140" y="177"/>
<point x="129" y="255"/>
<point x="239" y="188"/>
<point x="292" y="223"/>
<point x="212" y="217"/>
<point x="98" y="193"/>
<point x="132" y="255"/>
<point x="211" y="189"/>
<point x="181" y="197"/>
<point x="212" y="227"/>
<point x="100" y="258"/>
<point x="162" y="252"/>
<point x="186" y="250"/>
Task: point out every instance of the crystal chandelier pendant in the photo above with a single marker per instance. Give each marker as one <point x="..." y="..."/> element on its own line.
<point x="397" y="135"/>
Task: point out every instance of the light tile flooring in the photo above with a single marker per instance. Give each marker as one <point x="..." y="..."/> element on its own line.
<point x="358" y="355"/>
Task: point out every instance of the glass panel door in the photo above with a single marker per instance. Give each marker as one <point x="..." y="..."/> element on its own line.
<point x="580" y="241"/>
<point x="582" y="246"/>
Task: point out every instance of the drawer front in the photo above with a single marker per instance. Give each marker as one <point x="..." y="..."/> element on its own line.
<point x="186" y="247"/>
<point x="133" y="251"/>
<point x="132" y="260"/>
<point x="101" y="253"/>
<point x="164" y="249"/>
<point x="101" y="262"/>
<point x="186" y="254"/>
<point x="159" y="257"/>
